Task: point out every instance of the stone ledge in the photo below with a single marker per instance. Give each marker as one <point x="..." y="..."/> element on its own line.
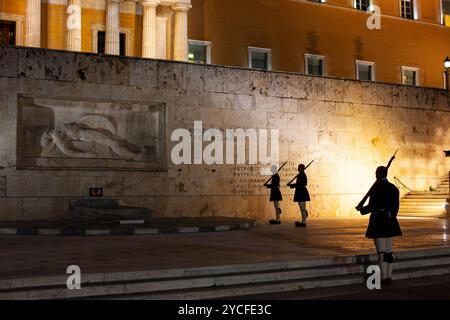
<point x="74" y="67"/>
<point x="155" y="226"/>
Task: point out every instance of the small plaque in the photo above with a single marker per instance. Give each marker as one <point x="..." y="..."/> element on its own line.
<point x="96" y="192"/>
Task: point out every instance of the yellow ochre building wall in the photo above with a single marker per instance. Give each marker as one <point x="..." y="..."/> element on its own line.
<point x="290" y="28"/>
<point x="339" y="32"/>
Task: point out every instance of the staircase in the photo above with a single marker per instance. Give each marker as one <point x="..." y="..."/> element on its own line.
<point x="228" y="280"/>
<point x="426" y="204"/>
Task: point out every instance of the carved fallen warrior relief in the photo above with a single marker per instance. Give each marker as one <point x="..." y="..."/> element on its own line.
<point x="83" y="140"/>
<point x="88" y="134"/>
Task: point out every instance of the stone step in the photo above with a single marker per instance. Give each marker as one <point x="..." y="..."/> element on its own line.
<point x="429" y="193"/>
<point x="441" y="197"/>
<point x="422" y="200"/>
<point x="422" y="214"/>
<point x="422" y="205"/>
<point x="422" y="208"/>
<point x="437" y="204"/>
<point x="227" y="280"/>
<point x="425" y="214"/>
<point x="236" y="291"/>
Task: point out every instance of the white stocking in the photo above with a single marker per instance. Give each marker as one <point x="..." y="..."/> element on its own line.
<point x="277" y="210"/>
<point x="380" y="244"/>
<point x="389" y="250"/>
<point x="303" y="210"/>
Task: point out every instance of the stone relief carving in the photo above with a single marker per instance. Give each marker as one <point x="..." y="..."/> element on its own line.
<point x="83" y="140"/>
<point x="88" y="134"/>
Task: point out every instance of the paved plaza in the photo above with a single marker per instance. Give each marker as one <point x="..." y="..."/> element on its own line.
<point x="32" y="256"/>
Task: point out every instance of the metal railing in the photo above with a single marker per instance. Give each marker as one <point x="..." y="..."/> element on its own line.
<point x="400" y="184"/>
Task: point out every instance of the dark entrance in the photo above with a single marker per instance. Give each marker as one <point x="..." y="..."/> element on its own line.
<point x="7" y="32"/>
<point x="101" y="43"/>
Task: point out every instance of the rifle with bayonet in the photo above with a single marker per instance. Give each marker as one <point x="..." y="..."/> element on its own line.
<point x="289" y="184"/>
<point x="361" y="203"/>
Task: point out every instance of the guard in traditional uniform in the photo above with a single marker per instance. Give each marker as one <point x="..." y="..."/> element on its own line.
<point x="301" y="195"/>
<point x="275" y="194"/>
<point x="383" y="224"/>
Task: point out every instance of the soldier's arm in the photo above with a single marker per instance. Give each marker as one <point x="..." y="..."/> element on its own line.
<point x="366" y="210"/>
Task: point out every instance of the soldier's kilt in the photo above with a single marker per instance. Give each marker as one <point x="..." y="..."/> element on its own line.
<point x="381" y="225"/>
<point x="301" y="194"/>
<point x="275" y="195"/>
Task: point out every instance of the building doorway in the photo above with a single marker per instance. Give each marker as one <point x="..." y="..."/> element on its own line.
<point x="101" y="43"/>
<point x="7" y="32"/>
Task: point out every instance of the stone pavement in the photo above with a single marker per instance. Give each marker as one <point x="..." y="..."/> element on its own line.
<point x="33" y="256"/>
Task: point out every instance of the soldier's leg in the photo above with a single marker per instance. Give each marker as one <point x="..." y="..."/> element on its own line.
<point x="277" y="210"/>
<point x="389" y="257"/>
<point x="303" y="211"/>
<point x="380" y="244"/>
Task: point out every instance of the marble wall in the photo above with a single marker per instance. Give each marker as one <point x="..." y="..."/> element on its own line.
<point x="348" y="127"/>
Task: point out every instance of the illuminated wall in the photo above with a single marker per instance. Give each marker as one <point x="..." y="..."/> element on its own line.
<point x="290" y="28"/>
<point x="348" y="127"/>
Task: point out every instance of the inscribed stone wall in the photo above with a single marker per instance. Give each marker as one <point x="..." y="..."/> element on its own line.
<point x="116" y="116"/>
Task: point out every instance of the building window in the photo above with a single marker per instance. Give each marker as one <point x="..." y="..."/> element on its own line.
<point x="199" y="51"/>
<point x="260" y="58"/>
<point x="446" y="12"/>
<point x="362" y="4"/>
<point x="365" y="70"/>
<point x="7" y="32"/>
<point x="314" y="64"/>
<point x="410" y="76"/>
<point x="407" y="9"/>
<point x="101" y="43"/>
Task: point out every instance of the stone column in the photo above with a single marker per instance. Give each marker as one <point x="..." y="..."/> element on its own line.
<point x="180" y="32"/>
<point x="74" y="25"/>
<point x="112" y="41"/>
<point x="149" y="28"/>
<point x="33" y="24"/>
<point x="161" y="44"/>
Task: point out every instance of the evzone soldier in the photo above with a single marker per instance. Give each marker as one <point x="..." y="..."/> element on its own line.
<point x="275" y="194"/>
<point x="301" y="195"/>
<point x="383" y="224"/>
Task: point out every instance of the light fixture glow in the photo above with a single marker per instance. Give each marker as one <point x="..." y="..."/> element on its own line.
<point x="447" y="63"/>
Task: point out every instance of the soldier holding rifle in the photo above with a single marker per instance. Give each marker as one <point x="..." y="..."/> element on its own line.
<point x="301" y="195"/>
<point x="383" y="224"/>
<point x="275" y="193"/>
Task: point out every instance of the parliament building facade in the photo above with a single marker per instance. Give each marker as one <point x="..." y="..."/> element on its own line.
<point x="322" y="37"/>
